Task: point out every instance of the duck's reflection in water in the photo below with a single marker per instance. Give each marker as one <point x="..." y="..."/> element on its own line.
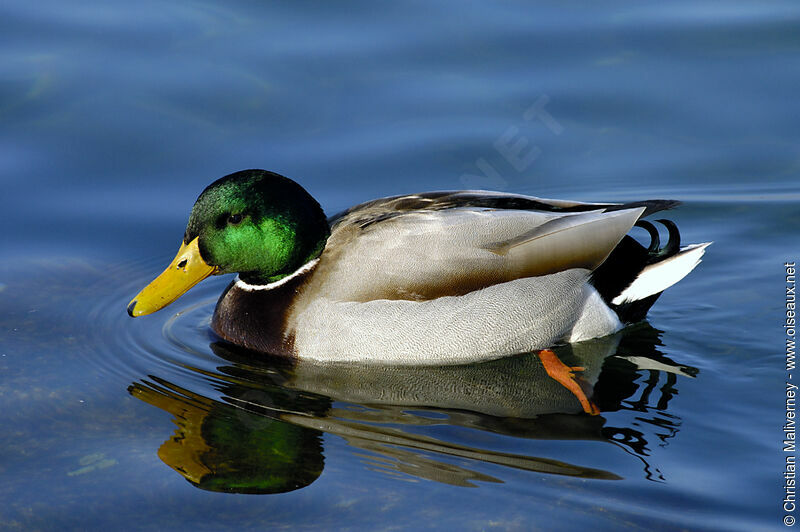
<point x="263" y="432"/>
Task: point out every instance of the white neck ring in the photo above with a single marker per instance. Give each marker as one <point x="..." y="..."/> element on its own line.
<point x="308" y="266"/>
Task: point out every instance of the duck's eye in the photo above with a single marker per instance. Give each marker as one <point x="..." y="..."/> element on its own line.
<point x="235" y="219"/>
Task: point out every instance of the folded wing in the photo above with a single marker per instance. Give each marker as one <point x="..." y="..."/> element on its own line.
<point x="440" y="244"/>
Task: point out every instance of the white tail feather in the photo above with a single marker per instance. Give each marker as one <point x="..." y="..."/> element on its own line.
<point x="661" y="275"/>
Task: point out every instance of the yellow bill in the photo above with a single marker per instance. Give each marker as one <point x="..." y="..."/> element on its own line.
<point x="186" y="270"/>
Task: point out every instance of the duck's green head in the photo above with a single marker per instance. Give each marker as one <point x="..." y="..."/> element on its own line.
<point x="257" y="223"/>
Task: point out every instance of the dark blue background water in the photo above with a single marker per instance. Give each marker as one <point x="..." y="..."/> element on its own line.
<point x="114" y="116"/>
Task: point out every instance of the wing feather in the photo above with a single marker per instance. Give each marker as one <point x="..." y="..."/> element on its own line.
<point x="576" y="241"/>
<point x="425" y="246"/>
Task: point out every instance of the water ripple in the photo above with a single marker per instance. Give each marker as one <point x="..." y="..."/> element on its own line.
<point x="173" y="342"/>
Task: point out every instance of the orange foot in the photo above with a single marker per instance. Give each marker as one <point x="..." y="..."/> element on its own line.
<point x="564" y="374"/>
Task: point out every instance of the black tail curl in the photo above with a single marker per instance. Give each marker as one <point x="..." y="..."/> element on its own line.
<point x="627" y="261"/>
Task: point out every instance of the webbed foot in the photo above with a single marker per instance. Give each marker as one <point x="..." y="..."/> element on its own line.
<point x="566" y="376"/>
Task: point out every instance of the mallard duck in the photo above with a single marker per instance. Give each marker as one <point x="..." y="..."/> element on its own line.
<point x="431" y="278"/>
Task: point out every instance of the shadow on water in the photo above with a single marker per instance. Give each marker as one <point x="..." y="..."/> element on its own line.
<point x="263" y="430"/>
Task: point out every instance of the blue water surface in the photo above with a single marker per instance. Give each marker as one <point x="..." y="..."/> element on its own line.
<point x="115" y="115"/>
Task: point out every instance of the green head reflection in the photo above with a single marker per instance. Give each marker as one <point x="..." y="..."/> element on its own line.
<point x="222" y="448"/>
